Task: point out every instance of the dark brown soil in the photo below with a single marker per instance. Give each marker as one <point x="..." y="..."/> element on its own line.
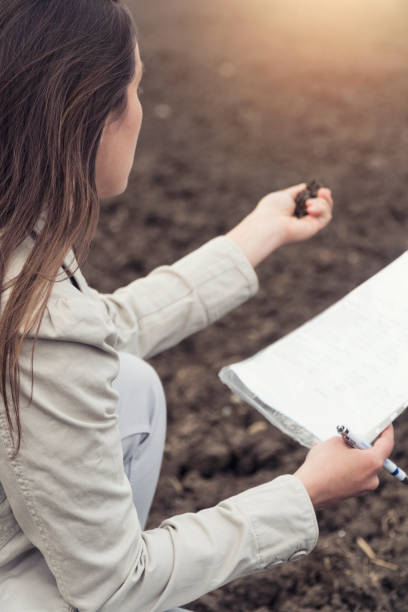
<point x="242" y="98"/>
<point x="311" y="191"/>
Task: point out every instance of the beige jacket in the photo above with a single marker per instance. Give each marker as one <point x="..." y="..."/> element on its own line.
<point x="69" y="532"/>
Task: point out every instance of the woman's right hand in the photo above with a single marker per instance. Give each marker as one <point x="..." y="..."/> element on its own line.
<point x="333" y="471"/>
<point x="272" y="223"/>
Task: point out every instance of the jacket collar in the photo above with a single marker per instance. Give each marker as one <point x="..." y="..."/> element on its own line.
<point x="70" y="262"/>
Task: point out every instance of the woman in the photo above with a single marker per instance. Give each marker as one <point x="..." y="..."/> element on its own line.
<point x="82" y="426"/>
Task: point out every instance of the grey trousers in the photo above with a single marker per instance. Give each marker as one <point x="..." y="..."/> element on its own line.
<point x="142" y="427"/>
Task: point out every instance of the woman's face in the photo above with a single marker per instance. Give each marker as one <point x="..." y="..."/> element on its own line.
<point x="117" y="146"/>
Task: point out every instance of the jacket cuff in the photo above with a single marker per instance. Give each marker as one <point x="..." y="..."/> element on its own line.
<point x="221" y="275"/>
<point x="283" y="520"/>
<point x="242" y="262"/>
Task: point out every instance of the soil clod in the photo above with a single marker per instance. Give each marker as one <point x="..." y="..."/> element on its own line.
<point x="310" y="192"/>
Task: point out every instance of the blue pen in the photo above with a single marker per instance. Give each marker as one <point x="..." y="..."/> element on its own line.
<point x="355" y="442"/>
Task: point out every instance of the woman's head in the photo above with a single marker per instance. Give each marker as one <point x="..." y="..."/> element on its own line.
<point x="67" y="69"/>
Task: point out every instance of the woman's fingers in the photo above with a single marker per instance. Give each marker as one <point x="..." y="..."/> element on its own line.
<point x="326" y="193"/>
<point x="319" y="213"/>
<point x="385" y="443"/>
<point x="318" y="207"/>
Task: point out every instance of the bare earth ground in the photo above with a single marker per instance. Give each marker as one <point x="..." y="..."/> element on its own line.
<point x="241" y="98"/>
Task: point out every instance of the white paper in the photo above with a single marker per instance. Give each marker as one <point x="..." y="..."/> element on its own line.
<point x="348" y="365"/>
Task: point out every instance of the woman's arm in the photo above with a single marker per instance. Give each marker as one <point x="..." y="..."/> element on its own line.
<point x="158" y="311"/>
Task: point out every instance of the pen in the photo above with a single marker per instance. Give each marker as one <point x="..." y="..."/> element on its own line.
<point x="355" y="442"/>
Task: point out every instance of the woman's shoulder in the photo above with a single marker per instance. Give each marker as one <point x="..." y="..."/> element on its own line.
<point x="71" y="314"/>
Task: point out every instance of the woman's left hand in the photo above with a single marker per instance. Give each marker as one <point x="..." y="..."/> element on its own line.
<point x="272" y="223"/>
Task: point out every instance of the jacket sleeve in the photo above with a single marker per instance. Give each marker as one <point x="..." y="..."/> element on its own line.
<point x="69" y="493"/>
<point x="172" y="302"/>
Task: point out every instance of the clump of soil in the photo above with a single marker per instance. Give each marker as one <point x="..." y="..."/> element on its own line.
<point x="310" y="192"/>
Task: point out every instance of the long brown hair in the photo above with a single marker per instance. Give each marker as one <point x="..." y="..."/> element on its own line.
<point x="64" y="67"/>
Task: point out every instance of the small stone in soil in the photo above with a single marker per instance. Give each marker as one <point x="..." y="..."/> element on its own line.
<point x="310" y="192"/>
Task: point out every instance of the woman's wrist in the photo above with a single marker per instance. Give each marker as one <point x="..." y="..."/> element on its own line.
<point x="311" y="487"/>
<point x="254" y="244"/>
